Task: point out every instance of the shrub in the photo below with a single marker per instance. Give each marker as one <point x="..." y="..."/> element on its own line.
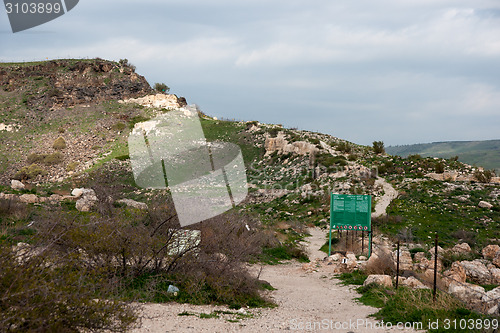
<point x="48" y="159"/>
<point x="344" y="147"/>
<point x="118" y="126"/>
<point x="161" y="87"/>
<point x="378" y="147"/>
<point x="439" y="167"/>
<point x="59" y="143"/>
<point x="484" y="176"/>
<point x="42" y="297"/>
<point x="30" y="172"/>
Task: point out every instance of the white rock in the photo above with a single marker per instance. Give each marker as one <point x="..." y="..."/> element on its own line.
<point x="463" y="248"/>
<point x="484" y="204"/>
<point x="16" y="184"/>
<point x="383" y="280"/>
<point x="77" y="192"/>
<point x="133" y="204"/>
<point x="477" y="271"/>
<point x="28" y="198"/>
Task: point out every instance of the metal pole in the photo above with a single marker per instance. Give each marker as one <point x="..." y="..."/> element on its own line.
<point x="330" y="241"/>
<point x="435" y="267"/>
<point x="346" y="240"/>
<point x="397" y="268"/>
<point x="362" y="242"/>
<point x="370" y="232"/>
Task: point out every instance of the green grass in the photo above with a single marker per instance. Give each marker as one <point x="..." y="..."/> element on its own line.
<point x="406" y="305"/>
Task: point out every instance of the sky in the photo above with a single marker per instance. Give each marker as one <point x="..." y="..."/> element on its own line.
<point x="398" y="71"/>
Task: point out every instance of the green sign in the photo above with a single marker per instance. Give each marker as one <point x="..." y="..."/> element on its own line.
<point x="350" y="212"/>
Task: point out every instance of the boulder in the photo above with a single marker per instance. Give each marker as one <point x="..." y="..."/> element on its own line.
<point x="28" y="198"/>
<point x="466" y="292"/>
<point x="496" y="261"/>
<point x="495" y="274"/>
<point x="383" y="280"/>
<point x="87" y="200"/>
<point x="463" y="248"/>
<point x="335" y="257"/>
<point x="133" y="204"/>
<point x="351" y="263"/>
<point x="405" y="261"/>
<point x="491" y="251"/>
<point x="412" y="282"/>
<point x="492" y="298"/>
<point x="476" y="271"/>
<point x="16" y="185"/>
<point x="77" y="192"/>
<point x="484" y="204"/>
<point x="455" y="274"/>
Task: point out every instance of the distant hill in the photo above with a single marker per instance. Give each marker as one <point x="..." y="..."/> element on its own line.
<point x="480" y="153"/>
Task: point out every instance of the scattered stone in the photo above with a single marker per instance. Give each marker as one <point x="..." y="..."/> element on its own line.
<point x="362" y="258"/>
<point x="463" y="248"/>
<point x="491" y="251"/>
<point x="484" y="204"/>
<point x="133" y="204"/>
<point x="28" y="198"/>
<point x="16" y="185"/>
<point x="383" y="280"/>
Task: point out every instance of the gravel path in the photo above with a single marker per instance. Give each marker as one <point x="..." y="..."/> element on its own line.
<point x="389" y="194"/>
<point x="309" y="302"/>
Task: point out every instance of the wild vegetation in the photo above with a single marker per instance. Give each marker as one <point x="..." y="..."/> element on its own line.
<point x="115" y="254"/>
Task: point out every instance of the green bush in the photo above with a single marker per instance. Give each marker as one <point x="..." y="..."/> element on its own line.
<point x="439" y="167"/>
<point x="161" y="87"/>
<point x="378" y="147"/>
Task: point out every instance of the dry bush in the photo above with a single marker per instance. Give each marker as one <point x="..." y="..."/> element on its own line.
<point x="41" y="294"/>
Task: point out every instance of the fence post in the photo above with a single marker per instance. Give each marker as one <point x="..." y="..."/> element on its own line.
<point x="397" y="268"/>
<point x="435" y="267"/>
<point x="362" y="242"/>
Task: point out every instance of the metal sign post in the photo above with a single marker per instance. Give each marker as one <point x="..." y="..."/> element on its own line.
<point x="350" y="212"/>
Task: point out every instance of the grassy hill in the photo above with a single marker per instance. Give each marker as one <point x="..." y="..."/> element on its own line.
<point x="481" y="153"/>
<point x="122" y="250"/>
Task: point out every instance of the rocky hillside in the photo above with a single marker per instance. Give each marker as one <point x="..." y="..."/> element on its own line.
<point x="63" y="120"/>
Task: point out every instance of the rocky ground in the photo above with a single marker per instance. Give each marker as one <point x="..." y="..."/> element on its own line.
<point x="303" y="298"/>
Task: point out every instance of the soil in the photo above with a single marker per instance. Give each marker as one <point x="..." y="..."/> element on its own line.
<point x="306" y="302"/>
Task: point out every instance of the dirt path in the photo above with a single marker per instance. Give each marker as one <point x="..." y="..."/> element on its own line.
<point x="306" y="302"/>
<point x="389" y="194"/>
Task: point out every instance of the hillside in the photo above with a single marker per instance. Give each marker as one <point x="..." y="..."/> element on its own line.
<point x="68" y="198"/>
<point x="481" y="153"/>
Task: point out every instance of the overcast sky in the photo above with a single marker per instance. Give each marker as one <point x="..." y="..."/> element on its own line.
<point x="400" y="71"/>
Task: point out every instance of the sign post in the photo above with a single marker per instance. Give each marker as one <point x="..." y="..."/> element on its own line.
<point x="350" y="212"/>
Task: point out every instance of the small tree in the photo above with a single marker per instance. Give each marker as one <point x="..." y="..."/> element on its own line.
<point x="378" y="147"/>
<point x="161" y="87"/>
